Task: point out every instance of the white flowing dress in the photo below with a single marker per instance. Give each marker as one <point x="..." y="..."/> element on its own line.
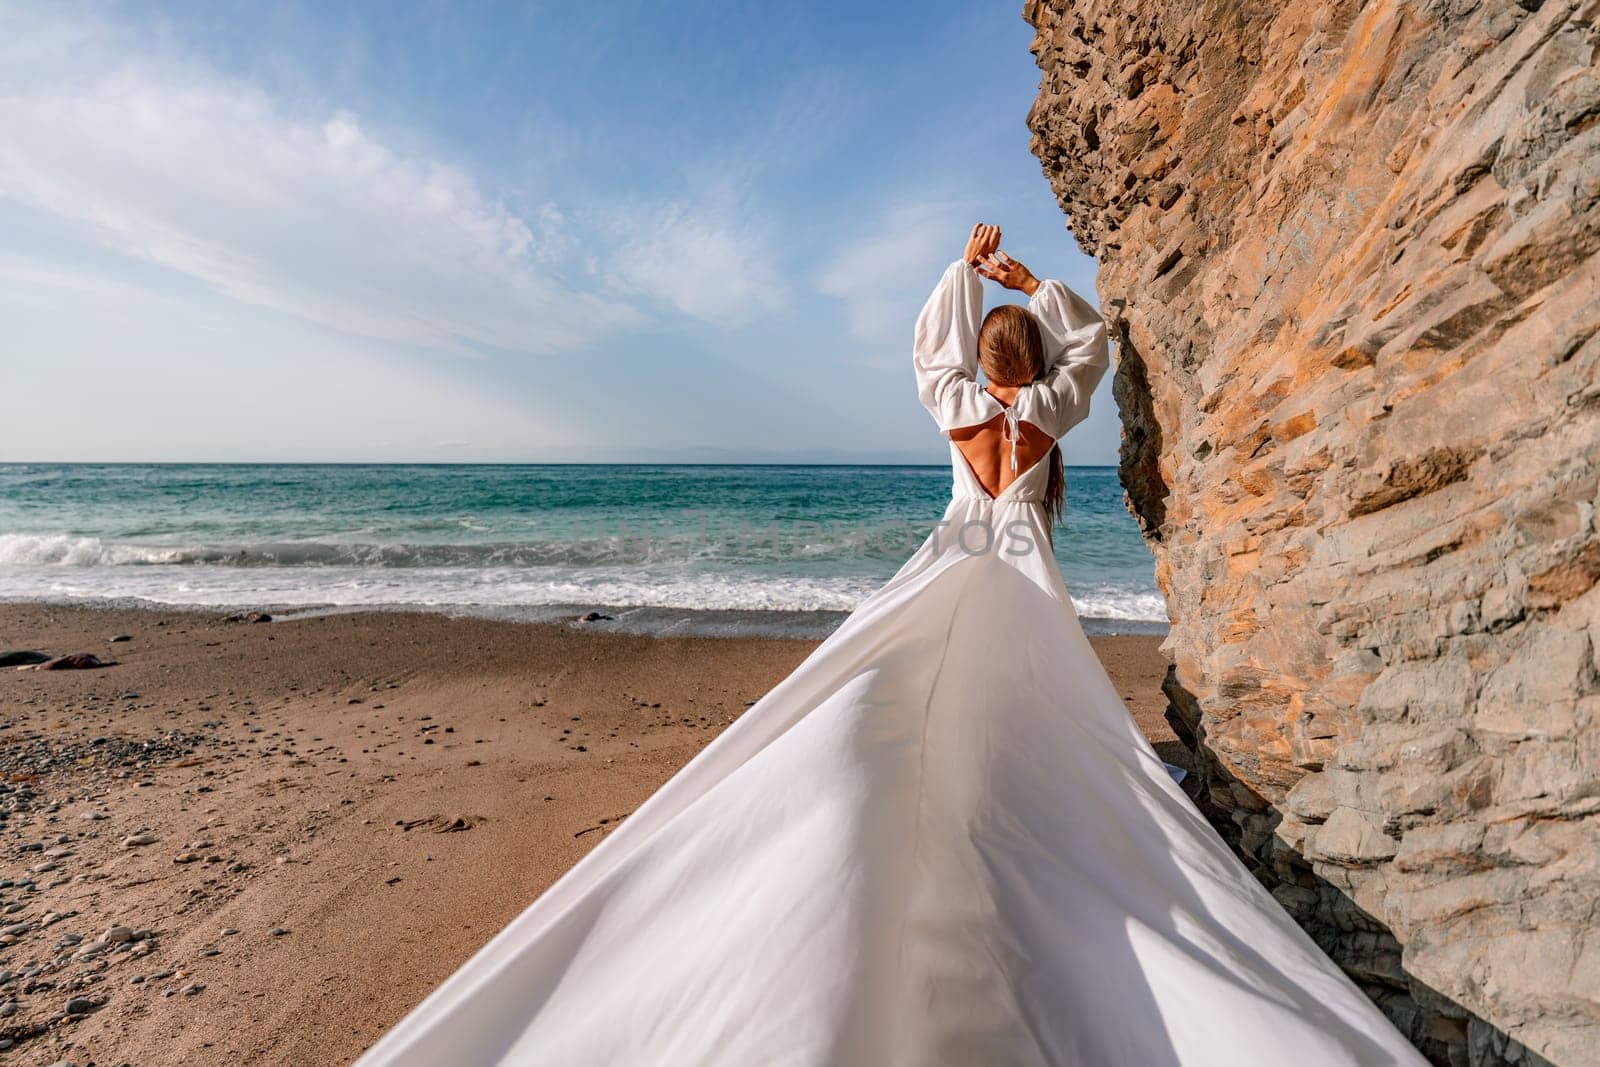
<point x="941" y="840"/>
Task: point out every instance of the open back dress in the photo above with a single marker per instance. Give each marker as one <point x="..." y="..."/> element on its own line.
<point x="941" y="840"/>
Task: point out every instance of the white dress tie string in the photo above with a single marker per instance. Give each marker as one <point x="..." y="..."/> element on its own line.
<point x="1011" y="431"/>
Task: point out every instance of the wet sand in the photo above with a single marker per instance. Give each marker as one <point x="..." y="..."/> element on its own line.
<point x="262" y="843"/>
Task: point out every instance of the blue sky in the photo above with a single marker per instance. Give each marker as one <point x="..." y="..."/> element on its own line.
<point x="440" y="232"/>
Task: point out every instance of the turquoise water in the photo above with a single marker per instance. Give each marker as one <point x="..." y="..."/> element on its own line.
<point x="516" y="539"/>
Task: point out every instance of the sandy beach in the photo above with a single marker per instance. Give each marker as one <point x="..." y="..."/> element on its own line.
<point x="262" y="843"/>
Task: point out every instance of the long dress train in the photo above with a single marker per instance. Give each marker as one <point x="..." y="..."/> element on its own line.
<point x="940" y="840"/>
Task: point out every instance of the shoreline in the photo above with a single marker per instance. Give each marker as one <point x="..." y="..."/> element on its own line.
<point x="301" y="827"/>
<point x="637" y="619"/>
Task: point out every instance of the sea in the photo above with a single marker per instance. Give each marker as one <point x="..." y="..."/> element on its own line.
<point x="692" y="549"/>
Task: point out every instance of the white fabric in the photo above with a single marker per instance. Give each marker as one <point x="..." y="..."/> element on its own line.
<point x="1011" y="431"/>
<point x="940" y="840"/>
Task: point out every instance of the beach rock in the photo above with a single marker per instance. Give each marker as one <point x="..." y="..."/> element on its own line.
<point x="442" y="824"/>
<point x="74" y="661"/>
<point x="593" y="616"/>
<point x="91" y="950"/>
<point x="1347" y="253"/>
<point x="117" y="639"/>
<point x="139" y="839"/>
<point x="247" y="616"/>
<point x="14" y="657"/>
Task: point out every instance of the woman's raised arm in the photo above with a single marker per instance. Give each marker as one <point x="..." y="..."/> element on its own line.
<point x="1076" y="355"/>
<point x="945" y="349"/>
<point x="945" y="352"/>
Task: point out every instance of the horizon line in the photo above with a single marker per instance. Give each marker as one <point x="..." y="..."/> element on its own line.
<point x="468" y="463"/>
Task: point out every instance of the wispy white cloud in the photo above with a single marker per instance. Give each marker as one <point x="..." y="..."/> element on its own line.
<point x="708" y="262"/>
<point x="312" y="215"/>
<point x="881" y="276"/>
<point x="176" y="377"/>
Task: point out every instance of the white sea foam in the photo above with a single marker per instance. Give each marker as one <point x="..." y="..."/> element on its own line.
<point x="223" y="586"/>
<point x="39" y="550"/>
<point x="73" y="551"/>
<point x="1119" y="604"/>
<point x="364" y="586"/>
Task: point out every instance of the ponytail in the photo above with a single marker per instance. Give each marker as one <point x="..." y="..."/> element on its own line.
<point x="1055" y="492"/>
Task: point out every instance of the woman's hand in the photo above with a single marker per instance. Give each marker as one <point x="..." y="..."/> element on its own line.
<point x="982" y="242"/>
<point x="999" y="267"/>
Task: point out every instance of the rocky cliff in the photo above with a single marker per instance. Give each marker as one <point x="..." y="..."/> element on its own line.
<point x="1348" y="255"/>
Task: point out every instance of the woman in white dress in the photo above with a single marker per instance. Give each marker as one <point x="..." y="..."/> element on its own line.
<point x="941" y="840"/>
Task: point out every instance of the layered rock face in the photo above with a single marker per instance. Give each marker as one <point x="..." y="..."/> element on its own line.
<point x="1348" y="253"/>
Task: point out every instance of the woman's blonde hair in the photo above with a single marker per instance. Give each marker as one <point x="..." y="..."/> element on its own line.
<point x="1011" y="352"/>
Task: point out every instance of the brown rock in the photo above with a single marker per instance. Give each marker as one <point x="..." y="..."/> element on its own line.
<point x="443" y="824"/>
<point x="74" y="661"/>
<point x="1348" y="254"/>
<point x="247" y="616"/>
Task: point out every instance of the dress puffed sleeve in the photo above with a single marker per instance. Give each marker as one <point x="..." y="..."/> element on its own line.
<point x="1076" y="354"/>
<point x="945" y="351"/>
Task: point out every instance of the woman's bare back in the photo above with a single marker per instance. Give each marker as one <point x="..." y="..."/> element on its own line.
<point x="988" y="451"/>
